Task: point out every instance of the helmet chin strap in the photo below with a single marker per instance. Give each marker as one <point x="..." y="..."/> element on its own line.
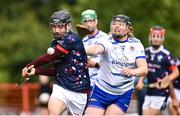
<point x="117" y="36"/>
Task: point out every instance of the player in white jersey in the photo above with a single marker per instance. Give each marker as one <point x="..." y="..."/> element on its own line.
<point x="89" y="19"/>
<point x="123" y="58"/>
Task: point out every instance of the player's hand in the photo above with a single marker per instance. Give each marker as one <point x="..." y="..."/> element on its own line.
<point x="164" y="83"/>
<point x="24" y="72"/>
<point x="158" y="84"/>
<point x="175" y="103"/>
<point x="31" y="72"/>
<point x="27" y="71"/>
<point x="127" y="71"/>
<point x="139" y="85"/>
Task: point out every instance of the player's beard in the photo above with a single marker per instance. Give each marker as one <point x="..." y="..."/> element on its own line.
<point x="59" y="35"/>
<point x="155" y="46"/>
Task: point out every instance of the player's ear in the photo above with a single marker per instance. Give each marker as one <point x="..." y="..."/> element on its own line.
<point x="68" y="27"/>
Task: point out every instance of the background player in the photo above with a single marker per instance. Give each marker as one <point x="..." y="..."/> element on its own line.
<point x="89" y="19"/>
<point x="161" y="70"/>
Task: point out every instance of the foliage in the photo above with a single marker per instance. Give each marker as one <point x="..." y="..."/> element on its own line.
<point x="24" y="32"/>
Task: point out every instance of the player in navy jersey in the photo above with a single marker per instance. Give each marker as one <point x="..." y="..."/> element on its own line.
<point x="173" y="109"/>
<point x="90" y="20"/>
<point x="123" y="58"/>
<point x="161" y="71"/>
<point x="72" y="82"/>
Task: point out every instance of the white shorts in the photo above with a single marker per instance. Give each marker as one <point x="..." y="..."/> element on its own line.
<point x="75" y="102"/>
<point x="155" y="102"/>
<point x="177" y="93"/>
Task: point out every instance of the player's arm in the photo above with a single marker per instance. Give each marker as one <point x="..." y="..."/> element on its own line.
<point x="140" y="83"/>
<point x="45" y="71"/>
<point x="164" y="83"/>
<point x="140" y="71"/>
<point x="93" y="64"/>
<point x="47" y="58"/>
<point x="44" y="59"/>
<point x="173" y="96"/>
<point x="174" y="74"/>
<point x="42" y="71"/>
<point x="94" y="49"/>
<point x="172" y="93"/>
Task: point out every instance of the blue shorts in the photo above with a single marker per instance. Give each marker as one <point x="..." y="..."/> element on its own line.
<point x="100" y="99"/>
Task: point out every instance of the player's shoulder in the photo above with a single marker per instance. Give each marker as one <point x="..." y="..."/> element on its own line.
<point x="100" y="35"/>
<point x="73" y="35"/>
<point x="147" y="49"/>
<point x="165" y="51"/>
<point x="71" y="38"/>
<point x="133" y="40"/>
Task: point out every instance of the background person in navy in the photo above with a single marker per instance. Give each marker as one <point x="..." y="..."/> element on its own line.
<point x="174" y="106"/>
<point x="161" y="71"/>
<point x="72" y="82"/>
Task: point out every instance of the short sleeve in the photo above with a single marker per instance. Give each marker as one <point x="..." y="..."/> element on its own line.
<point x="140" y="50"/>
<point x="104" y="42"/>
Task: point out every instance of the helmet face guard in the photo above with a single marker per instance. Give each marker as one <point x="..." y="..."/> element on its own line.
<point x="124" y="19"/>
<point x="60" y="18"/>
<point x="156" y="36"/>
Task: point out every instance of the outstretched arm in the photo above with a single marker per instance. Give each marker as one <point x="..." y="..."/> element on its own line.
<point x="46" y="58"/>
<point x="40" y="71"/>
<point x="94" y="49"/>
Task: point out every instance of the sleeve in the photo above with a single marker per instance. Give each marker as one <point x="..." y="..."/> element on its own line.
<point x="67" y="44"/>
<point x="171" y="62"/>
<point x="105" y="43"/>
<point x="45" y="71"/>
<point x="45" y="59"/>
<point x="140" y="53"/>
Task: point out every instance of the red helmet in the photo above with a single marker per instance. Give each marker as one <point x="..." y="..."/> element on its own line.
<point x="157" y="30"/>
<point x="156" y="36"/>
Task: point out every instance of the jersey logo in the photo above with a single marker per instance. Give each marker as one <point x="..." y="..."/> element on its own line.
<point x="159" y="58"/>
<point x="152" y="57"/>
<point x="132" y="48"/>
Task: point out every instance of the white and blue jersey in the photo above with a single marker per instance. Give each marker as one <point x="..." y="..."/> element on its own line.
<point x="159" y="65"/>
<point x="89" y="40"/>
<point x="118" y="55"/>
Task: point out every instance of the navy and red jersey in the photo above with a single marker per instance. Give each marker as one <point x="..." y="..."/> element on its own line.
<point x="176" y="82"/>
<point x="160" y="64"/>
<point x="71" y="68"/>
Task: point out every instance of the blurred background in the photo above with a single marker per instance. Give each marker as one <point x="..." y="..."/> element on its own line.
<point x="24" y="31"/>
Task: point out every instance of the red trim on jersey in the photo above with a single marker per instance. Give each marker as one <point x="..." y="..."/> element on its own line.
<point x="62" y="49"/>
<point x="172" y="67"/>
